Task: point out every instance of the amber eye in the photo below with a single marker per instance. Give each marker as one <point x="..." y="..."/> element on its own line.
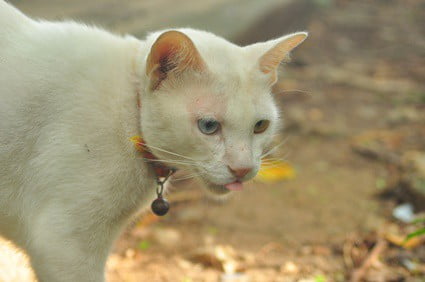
<point x="261" y="126"/>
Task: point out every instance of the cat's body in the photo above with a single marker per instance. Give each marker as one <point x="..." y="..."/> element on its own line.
<point x="64" y="179"/>
<point x="70" y="178"/>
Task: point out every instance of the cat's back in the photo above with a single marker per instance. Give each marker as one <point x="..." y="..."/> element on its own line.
<point x="11" y="18"/>
<point x="46" y="65"/>
<point x="59" y="82"/>
<point x="13" y="25"/>
<point x="64" y="90"/>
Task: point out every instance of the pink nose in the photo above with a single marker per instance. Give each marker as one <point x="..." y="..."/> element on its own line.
<point x="239" y="172"/>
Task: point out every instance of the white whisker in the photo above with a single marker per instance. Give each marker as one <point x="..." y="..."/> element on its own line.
<point x="295" y="90"/>
<point x="168" y="152"/>
<point x="274" y="148"/>
<point x="192" y="175"/>
<point x="169" y="161"/>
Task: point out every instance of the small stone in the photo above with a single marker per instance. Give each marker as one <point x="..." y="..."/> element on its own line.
<point x="130" y="253"/>
<point x="221" y="257"/>
<point x="289" y="268"/>
<point x="306" y="250"/>
<point x="404" y="213"/>
<point x="234" y="277"/>
<point x="167" y="237"/>
<point x="184" y="264"/>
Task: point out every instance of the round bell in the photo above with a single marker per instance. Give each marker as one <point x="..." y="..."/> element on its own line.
<point x="160" y="206"/>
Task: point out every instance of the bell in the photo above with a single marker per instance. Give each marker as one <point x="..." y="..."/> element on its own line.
<point x="160" y="206"/>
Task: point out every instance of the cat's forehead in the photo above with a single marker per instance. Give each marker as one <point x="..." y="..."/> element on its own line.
<point x="228" y="63"/>
<point x="228" y="99"/>
<point x="234" y="69"/>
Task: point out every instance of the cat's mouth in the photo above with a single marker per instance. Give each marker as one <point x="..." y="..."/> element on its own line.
<point x="234" y="186"/>
<point x="220" y="189"/>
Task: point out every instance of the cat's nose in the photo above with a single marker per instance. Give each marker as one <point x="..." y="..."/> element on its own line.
<point x="239" y="172"/>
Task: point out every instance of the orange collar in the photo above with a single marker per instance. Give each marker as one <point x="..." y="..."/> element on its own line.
<point x="160" y="169"/>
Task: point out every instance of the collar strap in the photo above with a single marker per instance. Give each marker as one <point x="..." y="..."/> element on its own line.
<point x="161" y="170"/>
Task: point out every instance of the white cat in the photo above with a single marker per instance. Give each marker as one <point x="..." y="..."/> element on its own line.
<point x="70" y="179"/>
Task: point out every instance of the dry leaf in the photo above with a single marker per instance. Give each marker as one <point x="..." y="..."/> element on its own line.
<point x="273" y="171"/>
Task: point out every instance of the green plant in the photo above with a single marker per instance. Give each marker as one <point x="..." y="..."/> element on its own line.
<point x="144" y="245"/>
<point x="419" y="232"/>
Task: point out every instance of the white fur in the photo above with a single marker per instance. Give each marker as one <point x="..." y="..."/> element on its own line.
<point x="69" y="177"/>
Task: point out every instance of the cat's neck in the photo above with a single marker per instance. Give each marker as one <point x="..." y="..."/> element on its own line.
<point x="128" y="83"/>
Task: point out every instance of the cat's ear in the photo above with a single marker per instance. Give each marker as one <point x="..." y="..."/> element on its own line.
<point x="273" y="52"/>
<point x="172" y="53"/>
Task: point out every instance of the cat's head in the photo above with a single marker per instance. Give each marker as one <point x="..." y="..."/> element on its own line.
<point x="207" y="106"/>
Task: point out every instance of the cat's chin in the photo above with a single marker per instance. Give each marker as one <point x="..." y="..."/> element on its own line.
<point x="213" y="188"/>
<point x="221" y="189"/>
<point x="216" y="189"/>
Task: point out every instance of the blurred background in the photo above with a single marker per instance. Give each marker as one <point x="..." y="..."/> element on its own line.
<point x="353" y="101"/>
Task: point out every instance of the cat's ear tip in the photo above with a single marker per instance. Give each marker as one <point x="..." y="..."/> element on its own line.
<point x="302" y="34"/>
<point x="173" y="36"/>
<point x="296" y="38"/>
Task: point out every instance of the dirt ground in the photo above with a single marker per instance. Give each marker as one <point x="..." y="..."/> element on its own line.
<point x="353" y="101"/>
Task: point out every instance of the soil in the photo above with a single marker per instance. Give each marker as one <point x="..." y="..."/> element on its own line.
<point x="361" y="70"/>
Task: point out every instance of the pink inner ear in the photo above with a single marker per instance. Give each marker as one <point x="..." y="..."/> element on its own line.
<point x="164" y="55"/>
<point x="173" y="51"/>
<point x="166" y="63"/>
<point x="270" y="61"/>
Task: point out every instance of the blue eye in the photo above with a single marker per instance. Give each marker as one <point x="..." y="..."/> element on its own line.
<point x="208" y="126"/>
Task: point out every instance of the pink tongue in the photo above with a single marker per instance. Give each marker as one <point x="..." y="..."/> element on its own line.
<point x="234" y="186"/>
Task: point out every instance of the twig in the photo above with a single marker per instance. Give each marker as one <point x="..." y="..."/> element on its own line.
<point x="343" y="76"/>
<point x="380" y="155"/>
<point x="360" y="272"/>
<point x="346" y="251"/>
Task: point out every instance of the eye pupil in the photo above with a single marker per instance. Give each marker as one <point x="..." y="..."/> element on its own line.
<point x="208" y="126"/>
<point x="261" y="126"/>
